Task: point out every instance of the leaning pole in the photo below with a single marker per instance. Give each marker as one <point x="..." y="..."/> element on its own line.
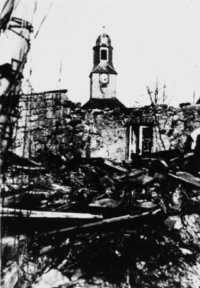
<point x="16" y="18"/>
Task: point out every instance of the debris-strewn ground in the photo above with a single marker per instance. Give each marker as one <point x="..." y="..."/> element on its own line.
<point x="146" y="232"/>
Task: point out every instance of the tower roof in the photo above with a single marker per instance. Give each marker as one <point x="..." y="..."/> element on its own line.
<point x="103" y="39"/>
<point x="104" y="68"/>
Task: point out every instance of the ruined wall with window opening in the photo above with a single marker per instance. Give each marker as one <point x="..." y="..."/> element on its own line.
<point x="50" y="122"/>
<point x="170" y="125"/>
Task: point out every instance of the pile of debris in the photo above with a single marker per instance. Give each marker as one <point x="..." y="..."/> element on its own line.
<point x="114" y="217"/>
<point x="101" y="186"/>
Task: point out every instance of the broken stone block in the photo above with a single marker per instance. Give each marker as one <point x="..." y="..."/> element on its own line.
<point x="173" y="222"/>
<point x="12" y="275"/>
<point x="106" y="181"/>
<point x="69" y="128"/>
<point x="185" y="251"/>
<point x="145" y="179"/>
<point x="77" y="274"/>
<point x="53" y="278"/>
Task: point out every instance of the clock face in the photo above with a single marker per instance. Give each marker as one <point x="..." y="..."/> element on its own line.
<point x="104" y="78"/>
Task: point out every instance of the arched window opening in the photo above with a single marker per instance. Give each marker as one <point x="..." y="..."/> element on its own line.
<point x="103" y="54"/>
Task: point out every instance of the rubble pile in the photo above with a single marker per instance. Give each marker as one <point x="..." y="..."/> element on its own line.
<point x="102" y="223"/>
<point x="80" y="219"/>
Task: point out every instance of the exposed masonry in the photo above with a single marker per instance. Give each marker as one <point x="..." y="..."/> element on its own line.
<point x="50" y="121"/>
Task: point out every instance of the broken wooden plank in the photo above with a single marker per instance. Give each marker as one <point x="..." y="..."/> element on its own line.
<point x="145" y="205"/>
<point x="101" y="223"/>
<point x="186" y="178"/>
<point x="166" y="154"/>
<point x="28" y="168"/>
<point x="20" y="160"/>
<point x="115" y="166"/>
<point x="105" y="203"/>
<point x="46" y="214"/>
<point x="134" y="173"/>
<point x="61" y="187"/>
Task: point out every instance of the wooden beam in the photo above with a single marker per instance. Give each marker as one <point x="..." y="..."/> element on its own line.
<point x="101" y="223"/>
<point x="9" y="212"/>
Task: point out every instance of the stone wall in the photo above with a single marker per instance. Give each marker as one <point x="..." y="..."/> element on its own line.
<point x="173" y="125"/>
<point x="50" y="122"/>
<point x="170" y="125"/>
<point x="108" y="136"/>
<point x="43" y="123"/>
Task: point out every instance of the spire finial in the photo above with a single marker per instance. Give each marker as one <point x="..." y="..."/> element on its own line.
<point x="104" y="28"/>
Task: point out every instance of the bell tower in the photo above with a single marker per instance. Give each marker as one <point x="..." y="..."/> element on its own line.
<point x="103" y="75"/>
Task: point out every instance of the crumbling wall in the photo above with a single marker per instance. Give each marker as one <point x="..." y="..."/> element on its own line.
<point x="108" y="134"/>
<point x="172" y="125"/>
<point x="47" y="122"/>
<point x="51" y="123"/>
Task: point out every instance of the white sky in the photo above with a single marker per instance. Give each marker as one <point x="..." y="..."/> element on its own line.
<point x="152" y="40"/>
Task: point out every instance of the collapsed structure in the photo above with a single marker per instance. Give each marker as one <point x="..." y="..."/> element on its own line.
<point x="76" y="170"/>
<point x="102" y="127"/>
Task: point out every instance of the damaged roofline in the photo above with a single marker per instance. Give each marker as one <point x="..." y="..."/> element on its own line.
<point x="50" y="91"/>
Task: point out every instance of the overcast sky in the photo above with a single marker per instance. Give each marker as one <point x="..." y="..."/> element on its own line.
<point x="152" y="40"/>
